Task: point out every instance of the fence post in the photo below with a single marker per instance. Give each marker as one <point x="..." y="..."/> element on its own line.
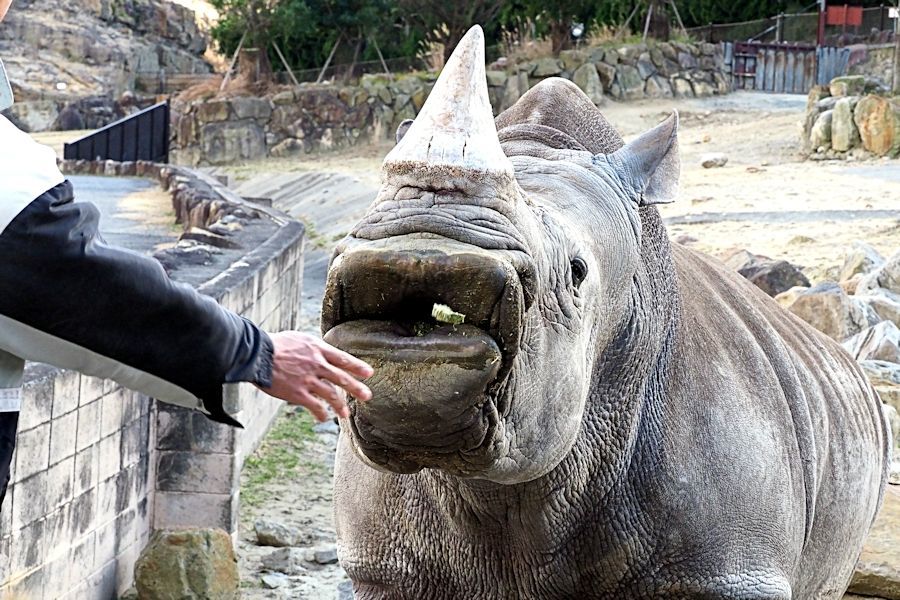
<point x="881" y="25"/>
<point x="709" y="33"/>
<point x="779" y="28"/>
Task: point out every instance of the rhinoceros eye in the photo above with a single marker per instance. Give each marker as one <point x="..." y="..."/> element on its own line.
<point x="579" y="271"/>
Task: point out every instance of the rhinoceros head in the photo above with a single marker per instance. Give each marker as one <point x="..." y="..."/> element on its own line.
<point x="536" y="241"/>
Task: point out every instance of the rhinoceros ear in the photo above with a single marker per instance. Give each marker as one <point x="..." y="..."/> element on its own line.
<point x="403" y="128"/>
<point x="651" y="165"/>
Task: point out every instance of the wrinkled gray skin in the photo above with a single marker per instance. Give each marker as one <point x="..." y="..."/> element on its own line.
<point x="664" y="429"/>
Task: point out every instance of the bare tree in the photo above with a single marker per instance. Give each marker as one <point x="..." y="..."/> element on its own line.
<point x="446" y="21"/>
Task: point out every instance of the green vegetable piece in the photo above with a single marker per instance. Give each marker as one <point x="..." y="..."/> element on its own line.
<point x="445" y="314"/>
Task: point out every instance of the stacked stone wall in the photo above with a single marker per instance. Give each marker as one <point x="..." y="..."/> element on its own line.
<point x="312" y="118"/>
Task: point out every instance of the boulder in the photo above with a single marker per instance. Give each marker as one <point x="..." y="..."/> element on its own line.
<point x="546" y="67"/>
<point x="878" y="122"/>
<point x="878" y="569"/>
<point x="786" y="299"/>
<point x="285" y="560"/>
<point x="774" y="276"/>
<point x="188" y="564"/>
<point x="251" y="108"/>
<point x="273" y="533"/>
<point x="587" y="79"/>
<point x="880" y="342"/>
<point x="713" y="160"/>
<point x="859" y="258"/>
<point x="885" y="304"/>
<point x="816" y="94"/>
<point x="741" y="259"/>
<point x="572" y="59"/>
<point x="682" y="88"/>
<point x="851" y="85"/>
<point x="630" y="82"/>
<point x="645" y="66"/>
<point x="844" y="134"/>
<point x="830" y="310"/>
<point x="496" y="78"/>
<point x="607" y="74"/>
<point x="881" y="373"/>
<point x="687" y="61"/>
<point x="231" y="141"/>
<point x="850" y="285"/>
<point x="886" y="276"/>
<point x="658" y="87"/>
<point x="703" y="89"/>
<point x="820" y="135"/>
<point x="826" y="103"/>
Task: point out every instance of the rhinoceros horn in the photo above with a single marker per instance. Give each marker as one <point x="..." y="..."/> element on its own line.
<point x="453" y="141"/>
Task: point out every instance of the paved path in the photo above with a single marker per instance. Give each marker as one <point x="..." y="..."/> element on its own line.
<point x="134" y="212"/>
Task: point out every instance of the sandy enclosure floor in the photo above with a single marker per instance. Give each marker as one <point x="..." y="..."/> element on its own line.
<point x="766" y="199"/>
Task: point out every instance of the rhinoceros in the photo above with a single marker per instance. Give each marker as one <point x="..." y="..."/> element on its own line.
<point x="617" y="416"/>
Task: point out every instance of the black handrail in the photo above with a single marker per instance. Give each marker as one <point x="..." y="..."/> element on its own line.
<point x="141" y="136"/>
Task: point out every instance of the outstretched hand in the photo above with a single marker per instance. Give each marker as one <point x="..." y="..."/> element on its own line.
<point x="309" y="372"/>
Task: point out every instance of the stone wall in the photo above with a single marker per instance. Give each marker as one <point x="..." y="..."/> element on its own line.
<point x="312" y="118"/>
<point x="873" y="61"/>
<point x="97" y="467"/>
<point x="852" y="118"/>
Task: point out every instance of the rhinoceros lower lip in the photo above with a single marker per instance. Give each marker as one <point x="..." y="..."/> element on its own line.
<point x="383" y="342"/>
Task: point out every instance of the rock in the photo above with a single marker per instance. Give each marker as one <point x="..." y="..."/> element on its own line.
<point x="774" y="276"/>
<point x="273" y="533"/>
<point x="185" y="253"/>
<point x="880" y="342"/>
<point x="687" y="61"/>
<point x="703" y="89"/>
<point x="282" y="98"/>
<point x="289" y="147"/>
<point x="830" y="310"/>
<point x="607" y="74"/>
<point x="658" y="87"/>
<point x="885" y="304"/>
<point x="786" y="299"/>
<point x="496" y="78"/>
<point x="586" y="78"/>
<point x="285" y="560"/>
<point x="860" y="258"/>
<point x="572" y="59"/>
<point x="329" y="427"/>
<point x="212" y="110"/>
<point x="345" y="590"/>
<point x="251" y="108"/>
<point x="274" y="581"/>
<point x="886" y="276"/>
<point x="713" y="160"/>
<point x="232" y="141"/>
<point x="682" y="88"/>
<point x="826" y="103"/>
<point x="893" y="419"/>
<point x="851" y="85"/>
<point x="850" y="285"/>
<point x="326" y="557"/>
<point x="844" y="134"/>
<point x="742" y="259"/>
<point x="630" y="81"/>
<point x="645" y="67"/>
<point x="881" y="373"/>
<point x="546" y="67"/>
<point x="820" y="135"/>
<point x="878" y="122"/>
<point x="878" y="570"/>
<point x="205" y="236"/>
<point x="195" y="563"/>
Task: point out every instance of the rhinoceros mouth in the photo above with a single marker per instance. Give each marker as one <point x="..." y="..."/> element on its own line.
<point x="436" y="386"/>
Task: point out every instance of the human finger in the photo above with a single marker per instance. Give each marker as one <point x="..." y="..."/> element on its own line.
<point x="346" y="361"/>
<point x="345" y="381"/>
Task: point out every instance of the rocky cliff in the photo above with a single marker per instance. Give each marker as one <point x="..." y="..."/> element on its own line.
<point x="57" y="52"/>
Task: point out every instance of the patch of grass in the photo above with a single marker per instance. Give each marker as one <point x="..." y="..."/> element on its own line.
<point x="280" y="457"/>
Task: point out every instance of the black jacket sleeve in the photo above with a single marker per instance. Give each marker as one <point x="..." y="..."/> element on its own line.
<point x="69" y="299"/>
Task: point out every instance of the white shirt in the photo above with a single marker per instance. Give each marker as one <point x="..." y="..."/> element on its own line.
<point x="27" y="170"/>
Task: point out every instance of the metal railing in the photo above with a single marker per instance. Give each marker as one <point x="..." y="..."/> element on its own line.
<point x="141" y="136"/>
